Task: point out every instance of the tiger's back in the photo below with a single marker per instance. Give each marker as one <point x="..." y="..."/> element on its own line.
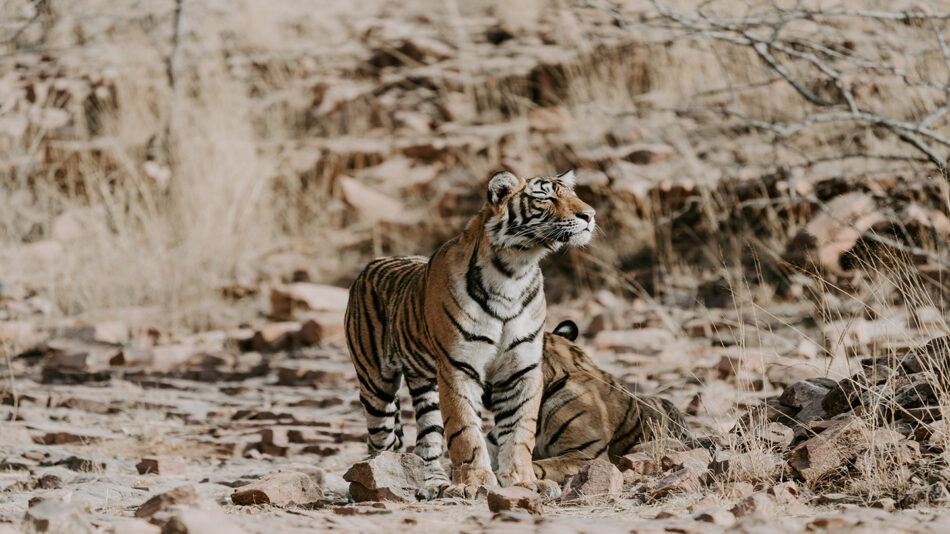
<point x="586" y="413"/>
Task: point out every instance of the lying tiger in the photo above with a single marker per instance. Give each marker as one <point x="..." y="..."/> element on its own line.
<point x="467" y="319"/>
<point x="586" y="413"/>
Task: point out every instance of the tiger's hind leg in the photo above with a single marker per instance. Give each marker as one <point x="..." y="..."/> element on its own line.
<point x="379" y="396"/>
<point x="429" y="438"/>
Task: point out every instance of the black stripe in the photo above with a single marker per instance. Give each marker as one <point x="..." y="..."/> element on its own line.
<point x="429" y="430"/>
<point x="527" y="339"/>
<point x="506" y="414"/>
<point x="417" y="392"/>
<point x="501" y="267"/>
<point x="470" y="337"/>
<point x="583" y="446"/>
<point x="378" y="429"/>
<point x="510" y="381"/>
<point x="555" y="386"/>
<point x="426" y="409"/>
<point x="374" y="411"/>
<point x="563" y="427"/>
<point x="465" y="368"/>
<point x="449" y="441"/>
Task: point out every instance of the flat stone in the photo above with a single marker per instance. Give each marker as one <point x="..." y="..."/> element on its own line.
<point x="756" y="504"/>
<point x="201" y="522"/>
<point x="280" y="489"/>
<point x="684" y="480"/>
<point x="161" y="465"/>
<point x="598" y="479"/>
<point x="638" y="462"/>
<point x="55" y="516"/>
<point x="514" y="499"/>
<point x="133" y="526"/>
<point x="388" y="476"/>
<point x="182" y="495"/>
<point x="695" y="459"/>
<point x="827" y="451"/>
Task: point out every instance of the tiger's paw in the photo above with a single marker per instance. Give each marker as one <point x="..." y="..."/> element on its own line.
<point x="432" y="489"/>
<point x="460" y="491"/>
<point x="548" y="489"/>
<point x="468" y="481"/>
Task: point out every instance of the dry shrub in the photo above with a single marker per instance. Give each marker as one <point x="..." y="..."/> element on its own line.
<point x="162" y="236"/>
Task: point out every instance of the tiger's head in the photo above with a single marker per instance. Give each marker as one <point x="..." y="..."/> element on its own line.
<point x="535" y="213"/>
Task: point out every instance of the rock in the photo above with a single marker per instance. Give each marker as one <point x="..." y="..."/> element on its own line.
<point x="802" y="394"/>
<point x="839" y="499"/>
<point x="280" y="489"/>
<point x="737" y="490"/>
<point x="59" y="434"/>
<point x="683" y="481"/>
<point x="695" y="459"/>
<point x="887" y="504"/>
<point x="648" y="341"/>
<point x="133" y="526"/>
<point x="655" y="448"/>
<point x="66" y="357"/>
<point x="758" y="504"/>
<point x="597" y="479"/>
<point x="363" y="508"/>
<point x="637" y="462"/>
<point x="322" y="327"/>
<point x="374" y="206"/>
<point x="388" y="476"/>
<point x="55" y="516"/>
<point x="716" y="516"/>
<point x="275" y="337"/>
<point x="709" y="502"/>
<point x="645" y="153"/>
<point x="775" y="435"/>
<point x="161" y="465"/>
<point x="827" y="451"/>
<point x="514" y="499"/>
<point x="304" y="296"/>
<point x="182" y="495"/>
<point x="201" y="522"/>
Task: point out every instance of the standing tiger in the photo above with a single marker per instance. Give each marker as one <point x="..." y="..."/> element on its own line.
<point x="468" y="318"/>
<point x="586" y="413"/>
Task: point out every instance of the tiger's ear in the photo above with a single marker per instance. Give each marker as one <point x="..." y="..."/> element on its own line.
<point x="501" y="185"/>
<point x="567" y="179"/>
<point x="567" y="329"/>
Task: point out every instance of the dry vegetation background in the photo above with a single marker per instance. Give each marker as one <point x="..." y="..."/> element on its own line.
<point x="156" y="155"/>
<point x="770" y="179"/>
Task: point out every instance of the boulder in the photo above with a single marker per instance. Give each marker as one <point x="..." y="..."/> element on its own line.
<point x="388" y="476"/>
<point x="599" y="478"/>
<point x="827" y="451"/>
<point x="280" y="489"/>
<point x="514" y="499"/>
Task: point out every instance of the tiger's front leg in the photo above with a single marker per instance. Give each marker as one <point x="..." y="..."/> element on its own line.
<point x="460" y="394"/>
<point x="516" y="398"/>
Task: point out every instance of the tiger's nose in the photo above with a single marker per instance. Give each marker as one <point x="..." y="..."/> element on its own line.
<point x="586" y="215"/>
